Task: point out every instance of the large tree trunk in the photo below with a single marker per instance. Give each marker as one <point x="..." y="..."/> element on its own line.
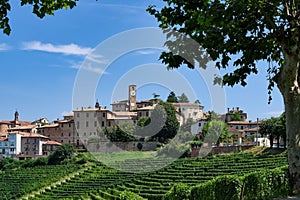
<point x="292" y="108"/>
<point x="288" y="82"/>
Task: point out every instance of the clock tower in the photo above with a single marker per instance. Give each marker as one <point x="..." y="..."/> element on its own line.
<point x="132" y="97"/>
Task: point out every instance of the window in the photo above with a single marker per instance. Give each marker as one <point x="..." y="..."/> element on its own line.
<point x="95" y="114"/>
<point x="200" y="124"/>
<point x="12" y="149"/>
<point x="109" y="123"/>
<point x="242" y="127"/>
<point x="62" y="125"/>
<point x="78" y="115"/>
<point x="236" y="127"/>
<point x="62" y="141"/>
<point x="69" y="141"/>
<point x="103" y="115"/>
<point x="84" y="133"/>
<point x="90" y="133"/>
<point x="95" y="123"/>
<point x="77" y="125"/>
<point x="147" y="114"/>
<point x="69" y="134"/>
<point x="102" y="123"/>
<point x="87" y="124"/>
<point x="87" y="115"/>
<point x="62" y="134"/>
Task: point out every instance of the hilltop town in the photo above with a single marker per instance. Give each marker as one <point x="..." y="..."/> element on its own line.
<point x="24" y="139"/>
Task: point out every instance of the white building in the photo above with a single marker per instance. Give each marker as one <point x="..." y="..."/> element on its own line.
<point x="189" y="110"/>
<point x="10" y="145"/>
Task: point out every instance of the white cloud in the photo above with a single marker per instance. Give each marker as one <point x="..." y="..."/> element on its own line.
<point x="146" y="52"/>
<point x="4" y="47"/>
<point x="96" y="58"/>
<point x="88" y="67"/>
<point x="69" y="49"/>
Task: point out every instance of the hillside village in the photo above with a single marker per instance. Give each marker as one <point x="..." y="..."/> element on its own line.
<point x="22" y="139"/>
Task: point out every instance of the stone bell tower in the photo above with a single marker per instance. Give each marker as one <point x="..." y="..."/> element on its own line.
<point x="132" y="97"/>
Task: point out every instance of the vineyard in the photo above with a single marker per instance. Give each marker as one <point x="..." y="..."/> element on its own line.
<point x="97" y="181"/>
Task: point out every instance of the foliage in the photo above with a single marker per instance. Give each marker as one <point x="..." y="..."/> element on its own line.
<point x="9" y="163"/>
<point x="127" y="195"/>
<point x="183" y="98"/>
<point x="266" y="184"/>
<point x="187" y="125"/>
<point x="172" y="98"/>
<point x="178" y="191"/>
<point x="177" y="147"/>
<point x="143" y="121"/>
<point x="40" y="8"/>
<point x="236" y="117"/>
<point x="227" y="188"/>
<point x="212" y="116"/>
<point x="62" y="153"/>
<point x="274" y="127"/>
<point x="197" y="101"/>
<point x="215" y="131"/>
<point x="166" y="112"/>
<point x="116" y="134"/>
<point x="127" y="127"/>
<point x="237" y="34"/>
<point x="204" y="191"/>
<point x="261" y="185"/>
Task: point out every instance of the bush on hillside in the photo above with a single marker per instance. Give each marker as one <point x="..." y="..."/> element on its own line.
<point x="127" y="195"/>
<point x="178" y="191"/>
<point x="259" y="185"/>
<point x="63" y="152"/>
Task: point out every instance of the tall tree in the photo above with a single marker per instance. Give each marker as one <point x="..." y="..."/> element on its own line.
<point x="251" y="30"/>
<point x="40" y="8"/>
<point x="172" y="98"/>
<point x="170" y="125"/>
<point x="183" y="98"/>
<point x="215" y="131"/>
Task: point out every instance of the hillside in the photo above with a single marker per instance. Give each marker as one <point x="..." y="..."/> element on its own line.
<point x="95" y="180"/>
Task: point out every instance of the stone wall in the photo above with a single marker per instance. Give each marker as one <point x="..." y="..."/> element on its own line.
<point x="219" y="150"/>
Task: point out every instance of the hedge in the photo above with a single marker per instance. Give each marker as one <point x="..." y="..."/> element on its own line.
<point x="260" y="185"/>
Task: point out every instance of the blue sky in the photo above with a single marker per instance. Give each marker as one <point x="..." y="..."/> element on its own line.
<point x="41" y="58"/>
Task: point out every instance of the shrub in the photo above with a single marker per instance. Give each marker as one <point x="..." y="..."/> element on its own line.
<point x="227" y="188"/>
<point x="127" y="195"/>
<point x="9" y="163"/>
<point x="266" y="184"/>
<point x="179" y="191"/>
<point x="204" y="191"/>
<point x="41" y="161"/>
<point x="63" y="152"/>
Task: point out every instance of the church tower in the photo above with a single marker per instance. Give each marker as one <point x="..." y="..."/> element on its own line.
<point x="16" y="116"/>
<point x="132" y="97"/>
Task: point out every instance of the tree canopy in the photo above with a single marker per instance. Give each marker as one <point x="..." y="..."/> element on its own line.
<point x="183" y="98"/>
<point x="236" y="117"/>
<point x="172" y="98"/>
<point x="238" y="34"/>
<point x="40" y="8"/>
